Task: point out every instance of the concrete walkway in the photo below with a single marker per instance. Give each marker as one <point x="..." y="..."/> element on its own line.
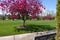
<point x="29" y="36"/>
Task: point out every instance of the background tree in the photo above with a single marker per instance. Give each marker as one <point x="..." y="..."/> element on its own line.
<point x="23" y="7"/>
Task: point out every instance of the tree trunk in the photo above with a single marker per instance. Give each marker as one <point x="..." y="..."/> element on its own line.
<point x="24" y="19"/>
<point x="58" y="20"/>
<point x="24" y="23"/>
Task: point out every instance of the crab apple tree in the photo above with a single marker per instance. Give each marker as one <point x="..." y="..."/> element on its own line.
<point x="23" y="7"/>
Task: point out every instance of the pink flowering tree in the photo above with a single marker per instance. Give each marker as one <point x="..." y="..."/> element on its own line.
<point x="23" y="7"/>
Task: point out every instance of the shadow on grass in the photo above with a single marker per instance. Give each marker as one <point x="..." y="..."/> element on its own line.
<point x="37" y="28"/>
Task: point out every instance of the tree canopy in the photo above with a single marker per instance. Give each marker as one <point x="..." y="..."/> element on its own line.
<point x="24" y="7"/>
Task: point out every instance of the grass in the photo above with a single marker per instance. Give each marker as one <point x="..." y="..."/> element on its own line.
<point x="7" y="27"/>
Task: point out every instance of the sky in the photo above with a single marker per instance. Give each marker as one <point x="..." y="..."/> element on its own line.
<point x="49" y="4"/>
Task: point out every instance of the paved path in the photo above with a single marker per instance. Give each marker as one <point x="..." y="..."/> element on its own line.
<point x="29" y="36"/>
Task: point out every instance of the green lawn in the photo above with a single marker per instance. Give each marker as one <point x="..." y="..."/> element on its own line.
<point x="7" y="27"/>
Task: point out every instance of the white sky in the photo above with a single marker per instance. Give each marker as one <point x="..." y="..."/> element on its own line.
<point x="0" y="11"/>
